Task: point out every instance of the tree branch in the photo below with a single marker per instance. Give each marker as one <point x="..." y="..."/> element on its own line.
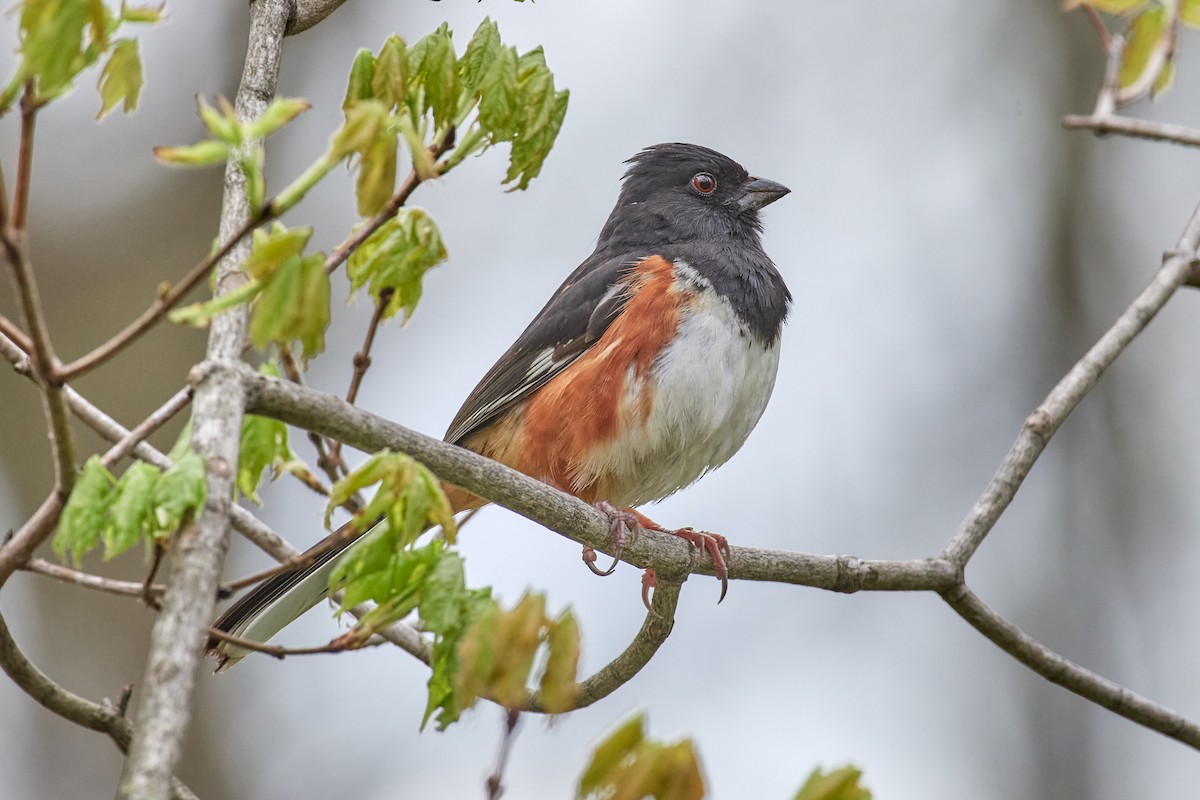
<point x="197" y="552"/>
<point x="106" y="717"/>
<point x="89" y="581"/>
<point x="1137" y="128"/>
<point x="1046" y="419"/>
<point x="671" y="557"/>
<point x="1056" y="669"/>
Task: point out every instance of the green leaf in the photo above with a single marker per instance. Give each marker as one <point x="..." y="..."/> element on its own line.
<point x="1146" y="34"/>
<point x="53" y="48"/>
<point x="121" y="79"/>
<point x="498" y="96"/>
<point x="499" y="650"/>
<point x="131" y="519"/>
<point x="280" y="112"/>
<point x="529" y="153"/>
<point x="376" y="174"/>
<point x="178" y="494"/>
<point x="221" y="122"/>
<point x="142" y="14"/>
<point x="396" y="258"/>
<point x="294" y="306"/>
<point x="558" y="685"/>
<point x="1166" y="77"/>
<point x="839" y="784"/>
<point x="482" y="51"/>
<point x="85" y="513"/>
<point x="627" y="766"/>
<point x="204" y="153"/>
<point x="437" y="73"/>
<point x="448" y="609"/>
<point x="272" y="248"/>
<point x="390" y="81"/>
<point x="611" y="752"/>
<point x="366" y="121"/>
<point x="362" y="74"/>
<point x="264" y="444"/>
<point x="1189" y="13"/>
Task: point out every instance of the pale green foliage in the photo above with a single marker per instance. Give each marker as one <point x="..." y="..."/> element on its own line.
<point x="628" y="766"/>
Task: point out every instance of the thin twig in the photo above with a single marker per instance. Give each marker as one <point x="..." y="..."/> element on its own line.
<point x="337" y="645"/>
<point x="1056" y="669"/>
<point x="1101" y="30"/>
<point x="161" y="305"/>
<point x="1136" y="128"/>
<point x="362" y="362"/>
<point x="495" y="781"/>
<point x="329" y="459"/>
<point x="18" y="336"/>
<point x="106" y="717"/>
<point x="21" y="190"/>
<point x="351" y="243"/>
<point x="159" y="417"/>
<point x="87" y="580"/>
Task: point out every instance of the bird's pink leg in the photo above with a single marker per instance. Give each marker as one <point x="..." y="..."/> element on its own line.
<point x="625" y="524"/>
<point x="714" y="544"/>
<point x="623" y="529"/>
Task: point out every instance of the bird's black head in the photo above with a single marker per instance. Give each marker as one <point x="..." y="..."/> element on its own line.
<point x="681" y="192"/>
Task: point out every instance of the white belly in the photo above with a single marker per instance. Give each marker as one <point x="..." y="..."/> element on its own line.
<point x="710" y="387"/>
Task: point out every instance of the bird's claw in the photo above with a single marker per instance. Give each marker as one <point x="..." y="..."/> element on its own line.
<point x="717" y="547"/>
<point x="623" y="529"/>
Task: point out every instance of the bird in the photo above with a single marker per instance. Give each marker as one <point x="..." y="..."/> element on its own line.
<point x="647" y="368"/>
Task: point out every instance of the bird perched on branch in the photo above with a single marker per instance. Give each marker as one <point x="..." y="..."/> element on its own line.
<point x="647" y="368"/>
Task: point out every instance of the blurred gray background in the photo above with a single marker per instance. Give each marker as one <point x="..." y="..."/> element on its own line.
<point x="952" y="252"/>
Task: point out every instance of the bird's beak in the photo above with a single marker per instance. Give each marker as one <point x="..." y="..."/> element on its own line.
<point x="760" y="192"/>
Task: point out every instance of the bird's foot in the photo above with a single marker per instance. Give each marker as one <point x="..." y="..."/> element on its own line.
<point x="622" y="530"/>
<point x="716" y="545"/>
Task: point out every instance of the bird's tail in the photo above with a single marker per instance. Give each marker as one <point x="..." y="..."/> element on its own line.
<point x="281" y="599"/>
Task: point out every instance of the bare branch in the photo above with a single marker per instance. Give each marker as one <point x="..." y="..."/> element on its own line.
<point x="495" y="782"/>
<point x="1137" y="128"/>
<point x="1046" y="419"/>
<point x="22" y="188"/>
<point x="87" y="580"/>
<point x="107" y="717"/>
<point x="362" y="362"/>
<point x="15" y="334"/>
<point x="159" y="417"/>
<point x="197" y="552"/>
<point x="18" y="549"/>
<point x="1070" y="676"/>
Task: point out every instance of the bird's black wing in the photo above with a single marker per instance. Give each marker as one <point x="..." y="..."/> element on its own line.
<point x="571" y="322"/>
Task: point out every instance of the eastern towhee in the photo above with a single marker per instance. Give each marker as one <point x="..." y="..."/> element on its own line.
<point x="648" y="367"/>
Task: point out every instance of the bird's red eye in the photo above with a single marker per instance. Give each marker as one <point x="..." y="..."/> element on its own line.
<point x="703" y="183"/>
